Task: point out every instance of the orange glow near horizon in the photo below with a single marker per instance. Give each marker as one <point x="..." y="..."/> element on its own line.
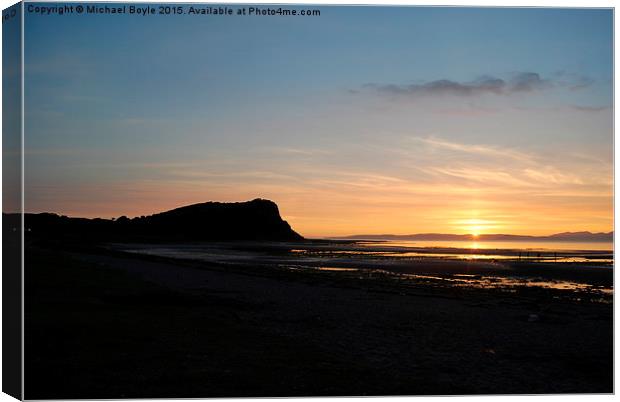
<point x="319" y="200"/>
<point x="326" y="214"/>
<point x="475" y="226"/>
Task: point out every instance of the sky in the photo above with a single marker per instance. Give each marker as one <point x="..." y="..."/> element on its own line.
<point x="11" y="110"/>
<point x="361" y="120"/>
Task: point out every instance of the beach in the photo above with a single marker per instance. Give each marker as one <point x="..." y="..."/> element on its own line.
<point x="162" y="326"/>
<point x="587" y="273"/>
<point x="307" y="200"/>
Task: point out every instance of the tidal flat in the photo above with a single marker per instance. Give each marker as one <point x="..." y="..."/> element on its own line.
<point x="169" y="326"/>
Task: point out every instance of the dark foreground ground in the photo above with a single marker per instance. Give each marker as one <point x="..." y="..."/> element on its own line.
<point x="103" y="324"/>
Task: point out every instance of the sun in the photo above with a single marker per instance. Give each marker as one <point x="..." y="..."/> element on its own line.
<point x="474" y="227"/>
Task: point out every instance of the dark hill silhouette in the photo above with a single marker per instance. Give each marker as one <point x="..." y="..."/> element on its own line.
<point x="258" y="219"/>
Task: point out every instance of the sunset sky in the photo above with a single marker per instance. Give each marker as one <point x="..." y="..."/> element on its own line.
<point x="363" y="120"/>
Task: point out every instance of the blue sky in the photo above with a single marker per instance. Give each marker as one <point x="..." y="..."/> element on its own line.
<point x="373" y="113"/>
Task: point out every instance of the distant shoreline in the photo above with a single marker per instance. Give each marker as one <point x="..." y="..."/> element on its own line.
<point x="585" y="237"/>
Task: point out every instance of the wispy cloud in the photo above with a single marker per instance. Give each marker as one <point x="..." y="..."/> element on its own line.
<point x="482" y="176"/>
<point x="238" y="175"/>
<point x="521" y="82"/>
<point x="492" y="166"/>
<point x="551" y="175"/>
<point x="573" y="81"/>
<point x="590" y="108"/>
<point x="485" y="150"/>
<point x="296" y="151"/>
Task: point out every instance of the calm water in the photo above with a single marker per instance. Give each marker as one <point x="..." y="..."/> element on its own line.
<point x="365" y="251"/>
<point x="541" y="251"/>
<point x="435" y="263"/>
<point x="499" y="245"/>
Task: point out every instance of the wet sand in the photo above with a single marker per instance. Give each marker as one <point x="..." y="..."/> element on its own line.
<point x="159" y="327"/>
<point x="432" y="266"/>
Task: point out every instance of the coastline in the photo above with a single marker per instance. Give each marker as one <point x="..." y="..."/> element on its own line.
<point x="244" y="330"/>
<point x="401" y="265"/>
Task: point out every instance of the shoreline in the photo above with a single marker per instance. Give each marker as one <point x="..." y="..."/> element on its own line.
<point x="349" y="262"/>
<point x="332" y="335"/>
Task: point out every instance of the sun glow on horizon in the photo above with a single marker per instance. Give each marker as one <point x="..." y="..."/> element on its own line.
<point x="475" y="226"/>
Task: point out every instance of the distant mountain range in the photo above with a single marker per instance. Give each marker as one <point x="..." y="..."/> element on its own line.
<point x="258" y="219"/>
<point x="565" y="236"/>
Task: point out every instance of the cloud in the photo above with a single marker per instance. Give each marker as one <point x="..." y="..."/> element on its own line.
<point x="481" y="150"/>
<point x="590" y="108"/>
<point x="551" y="175"/>
<point x="280" y="150"/>
<point x="443" y="87"/>
<point x="573" y="81"/>
<point x="492" y="167"/>
<point x="526" y="82"/>
<point x="517" y="83"/>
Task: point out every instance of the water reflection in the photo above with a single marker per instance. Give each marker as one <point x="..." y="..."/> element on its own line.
<point x="475" y="281"/>
<point x="474" y="266"/>
<point x="374" y="250"/>
<point x="531" y="246"/>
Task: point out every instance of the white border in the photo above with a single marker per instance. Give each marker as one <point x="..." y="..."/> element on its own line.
<point x="475" y="3"/>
